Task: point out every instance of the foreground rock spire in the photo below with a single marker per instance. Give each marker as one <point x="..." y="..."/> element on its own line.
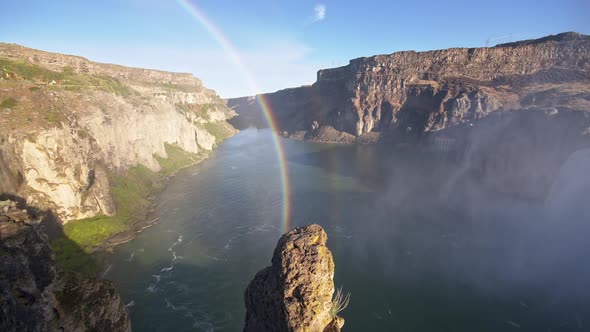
<point x="295" y="292"/>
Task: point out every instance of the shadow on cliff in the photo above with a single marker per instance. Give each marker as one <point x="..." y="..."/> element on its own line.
<point x="69" y="256"/>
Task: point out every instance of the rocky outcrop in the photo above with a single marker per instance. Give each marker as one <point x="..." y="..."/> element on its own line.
<point x="74" y="122"/>
<point x="35" y="297"/>
<point x="89" y="304"/>
<point x="295" y="292"/>
<point x="405" y="94"/>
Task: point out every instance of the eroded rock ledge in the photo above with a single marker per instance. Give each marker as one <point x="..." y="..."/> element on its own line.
<point x="295" y="292"/>
<point x="35" y="297"/>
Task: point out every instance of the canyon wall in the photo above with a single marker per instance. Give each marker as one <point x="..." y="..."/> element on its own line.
<point x="401" y="96"/>
<point x="68" y="124"/>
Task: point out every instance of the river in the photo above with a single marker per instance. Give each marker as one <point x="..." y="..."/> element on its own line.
<point x="411" y="260"/>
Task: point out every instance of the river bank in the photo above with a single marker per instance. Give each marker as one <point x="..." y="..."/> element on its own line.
<point x="84" y="243"/>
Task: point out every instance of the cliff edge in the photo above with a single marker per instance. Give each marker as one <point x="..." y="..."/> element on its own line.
<point x="34" y="296"/>
<point x="400" y="96"/>
<point x="295" y="292"/>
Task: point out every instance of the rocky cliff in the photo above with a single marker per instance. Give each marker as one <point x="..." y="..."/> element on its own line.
<point x="295" y="292"/>
<point x="403" y="95"/>
<point x="68" y="125"/>
<point x="34" y="296"/>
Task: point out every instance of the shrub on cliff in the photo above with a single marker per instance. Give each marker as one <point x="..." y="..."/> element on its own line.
<point x="8" y="103"/>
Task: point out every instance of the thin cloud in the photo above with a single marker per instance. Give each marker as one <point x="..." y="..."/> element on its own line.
<point x="319" y="12"/>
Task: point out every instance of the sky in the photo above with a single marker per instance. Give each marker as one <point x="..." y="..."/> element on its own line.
<point x="254" y="46"/>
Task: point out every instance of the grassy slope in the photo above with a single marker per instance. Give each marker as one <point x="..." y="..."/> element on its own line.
<point x="130" y="192"/>
<point x="20" y="70"/>
<point x="219" y="129"/>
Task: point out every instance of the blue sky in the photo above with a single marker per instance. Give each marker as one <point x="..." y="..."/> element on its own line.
<point x="281" y="42"/>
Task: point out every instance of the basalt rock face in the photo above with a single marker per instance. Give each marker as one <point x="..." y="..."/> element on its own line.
<point x="295" y="292"/>
<point x="66" y="123"/>
<point x="35" y="297"/>
<point x="406" y="94"/>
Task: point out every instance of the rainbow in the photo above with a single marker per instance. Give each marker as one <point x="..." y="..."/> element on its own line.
<point x="231" y="51"/>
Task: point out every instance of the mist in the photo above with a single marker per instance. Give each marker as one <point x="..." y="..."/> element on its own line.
<point x="505" y="215"/>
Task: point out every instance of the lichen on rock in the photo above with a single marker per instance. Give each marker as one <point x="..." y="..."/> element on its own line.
<point x="295" y="292"/>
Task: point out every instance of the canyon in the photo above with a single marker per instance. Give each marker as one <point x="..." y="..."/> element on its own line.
<point x="86" y="146"/>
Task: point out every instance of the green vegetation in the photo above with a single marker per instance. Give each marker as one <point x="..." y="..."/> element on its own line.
<point x="111" y="84"/>
<point x="339" y="302"/>
<point x="8" y="103"/>
<point x="177" y="159"/>
<point x="70" y="257"/>
<point x="75" y="88"/>
<point x="24" y="70"/>
<point x="52" y="117"/>
<point x="200" y="110"/>
<point x="83" y="133"/>
<point x="219" y="129"/>
<point x="177" y="87"/>
<point x="131" y="193"/>
<point x="34" y="88"/>
<point x="68" y="78"/>
<point x="92" y="231"/>
<point x="68" y="71"/>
